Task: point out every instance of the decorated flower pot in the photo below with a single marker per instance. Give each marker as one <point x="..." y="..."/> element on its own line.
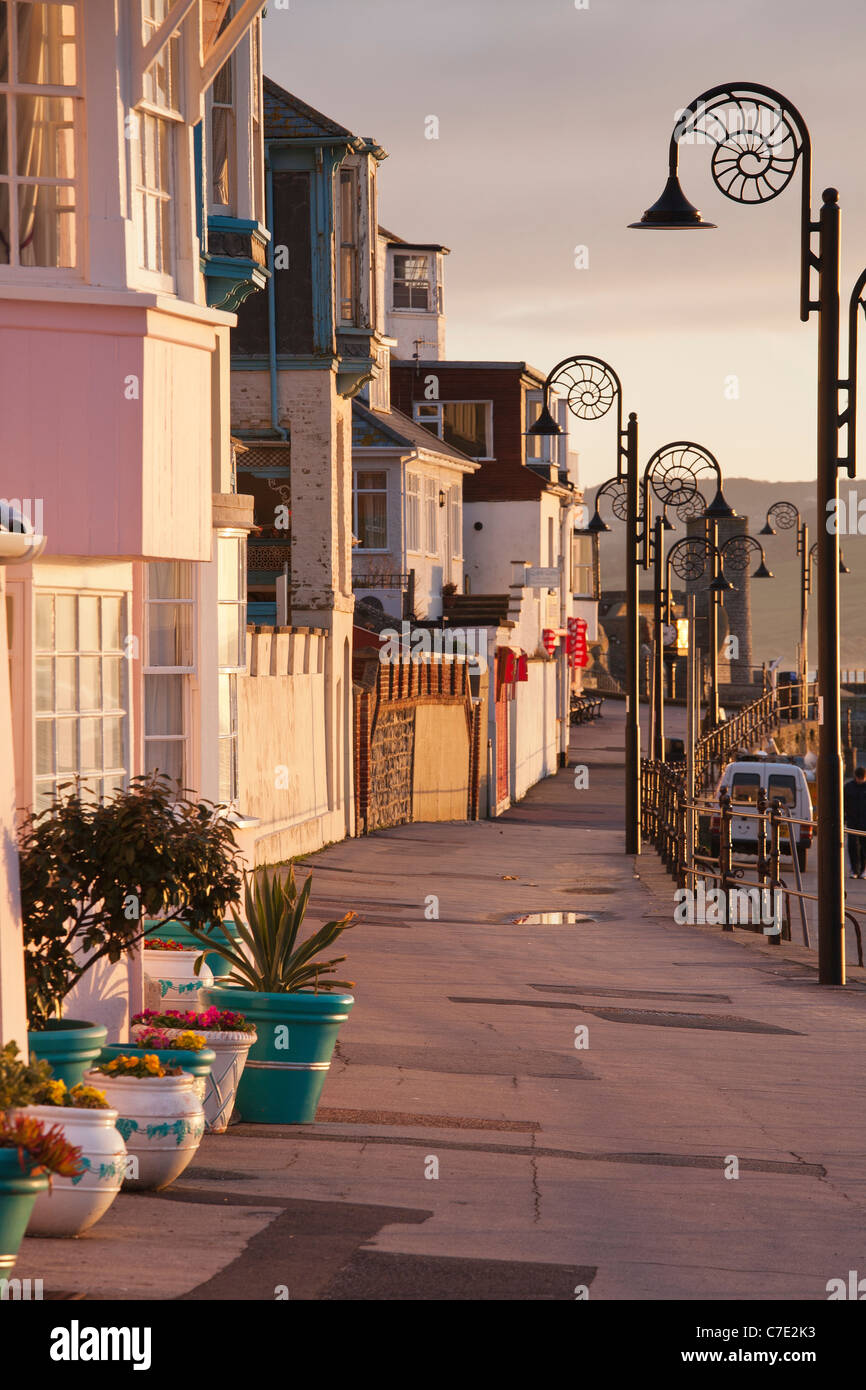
<point x="229" y="1051"/>
<point x="176" y="931"/>
<point x="161" y="1120"/>
<point x="174" y="974"/>
<point x="19" y="1189"/>
<point x="70" y="1045"/>
<point x="287" y="1064"/>
<point x="198" y="1064"/>
<point x="72" y="1205"/>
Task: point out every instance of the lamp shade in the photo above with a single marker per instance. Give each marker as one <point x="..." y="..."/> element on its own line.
<point x="720" y="585"/>
<point x="762" y="572"/>
<point x="672" y="212"/>
<point x="767" y="530"/>
<point x="545" y="424"/>
<point x="719" y="508"/>
<point x="596" y="525"/>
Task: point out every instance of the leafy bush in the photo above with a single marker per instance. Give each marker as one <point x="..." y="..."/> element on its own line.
<point x="92" y="874"/>
<point x="21" y="1082"/>
<point x="273" y="964"/>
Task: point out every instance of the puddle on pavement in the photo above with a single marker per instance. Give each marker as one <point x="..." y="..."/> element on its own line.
<point x="556" y="918"/>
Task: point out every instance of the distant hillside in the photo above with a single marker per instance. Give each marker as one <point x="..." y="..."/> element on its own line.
<point x="776" y="602"/>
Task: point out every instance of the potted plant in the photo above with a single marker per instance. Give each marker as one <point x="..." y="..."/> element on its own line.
<point x="31" y="1152"/>
<point x="176" y="931"/>
<point x="229" y="1036"/>
<point x="160" y="1115"/>
<point x="73" y="1204"/>
<point x="287" y="994"/>
<point x="169" y="968"/>
<point x="187" y="1050"/>
<point x="92" y="874"/>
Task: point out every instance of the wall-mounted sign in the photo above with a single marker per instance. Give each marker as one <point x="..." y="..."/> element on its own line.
<point x="541" y="578"/>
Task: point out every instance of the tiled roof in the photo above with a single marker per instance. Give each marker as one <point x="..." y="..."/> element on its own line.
<point x="391" y="429"/>
<point x="287" y="117"/>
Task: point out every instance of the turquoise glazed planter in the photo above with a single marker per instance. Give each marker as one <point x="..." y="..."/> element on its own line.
<point x="176" y="931"/>
<point x="70" y="1045"/>
<point x="18" y="1193"/>
<point x="287" y="1064"/>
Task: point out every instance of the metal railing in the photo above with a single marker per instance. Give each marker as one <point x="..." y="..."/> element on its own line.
<point x="784" y="705"/>
<point x="712" y="858"/>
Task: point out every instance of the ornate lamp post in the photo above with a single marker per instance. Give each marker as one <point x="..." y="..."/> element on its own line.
<point x="591" y="387"/>
<point x="786" y="516"/>
<point x="758" y="140"/>
<point x="671" y="476"/>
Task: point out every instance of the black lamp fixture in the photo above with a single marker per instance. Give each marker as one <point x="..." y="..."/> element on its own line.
<point x="720" y="585"/>
<point x="672" y="211"/>
<point x="597" y="524"/>
<point x="762" y="572"/>
<point x="441" y="497"/>
<point x="545" y="424"/>
<point x="719" y="509"/>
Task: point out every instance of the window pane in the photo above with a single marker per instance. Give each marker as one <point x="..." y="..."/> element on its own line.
<point x="372" y="521"/>
<point x="464" y="425"/>
<point x="111" y="786"/>
<point x="89" y="690"/>
<point x="65" y="682"/>
<point x="91" y="745"/>
<point x="112" y="733"/>
<point x="64" y="617"/>
<point x="163" y="705"/>
<point x="161" y="755"/>
<point x="44" y="796"/>
<point x="229" y="635"/>
<point x="226" y="724"/>
<point x="67" y="746"/>
<point x="45" y="622"/>
<point x="44" y="746"/>
<point x="111" y="624"/>
<point x="46" y="225"/>
<point x="4" y="41"/>
<point x="46" y="45"/>
<point x="46" y="137"/>
<point x="229" y="567"/>
<point x="169" y="634"/>
<point x="169" y="579"/>
<point x="111" y="682"/>
<point x="44" y="687"/>
<point x="88" y="624"/>
<point x="373" y="481"/>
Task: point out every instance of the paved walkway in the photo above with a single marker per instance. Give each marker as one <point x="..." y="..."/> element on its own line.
<point x="469" y="1149"/>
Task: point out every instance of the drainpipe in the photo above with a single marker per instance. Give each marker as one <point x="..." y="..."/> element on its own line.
<point x="272" y="303"/>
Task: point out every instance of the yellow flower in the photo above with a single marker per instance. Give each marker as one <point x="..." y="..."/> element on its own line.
<point x="190" y="1042"/>
<point x="152" y="1062"/>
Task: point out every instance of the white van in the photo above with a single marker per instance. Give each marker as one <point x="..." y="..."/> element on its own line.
<point x="781" y="780"/>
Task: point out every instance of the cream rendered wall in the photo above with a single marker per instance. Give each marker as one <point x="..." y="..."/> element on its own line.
<point x="440" y="781"/>
<point x="533" y="728"/>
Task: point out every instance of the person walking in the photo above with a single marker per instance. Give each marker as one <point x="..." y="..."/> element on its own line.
<point x="855" y="819"/>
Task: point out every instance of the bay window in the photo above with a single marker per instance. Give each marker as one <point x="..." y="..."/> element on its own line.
<point x="412" y="282"/>
<point x="158" y="115"/>
<point x="465" y="425"/>
<point x="349" y="259"/>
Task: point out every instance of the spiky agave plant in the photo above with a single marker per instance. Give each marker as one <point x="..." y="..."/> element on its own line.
<point x="275" y="963"/>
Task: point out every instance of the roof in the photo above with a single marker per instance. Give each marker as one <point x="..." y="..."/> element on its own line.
<point x="525" y="368"/>
<point x="391" y="429"/>
<point x="394" y="240"/>
<point x="287" y="117"/>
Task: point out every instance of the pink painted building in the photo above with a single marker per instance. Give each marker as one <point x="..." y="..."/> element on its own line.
<point x="131" y="228"/>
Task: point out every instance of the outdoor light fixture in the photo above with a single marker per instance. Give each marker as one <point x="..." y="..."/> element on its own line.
<point x="441" y="497"/>
<point x="545" y="424"/>
<point x="673" y="211"/>
<point x="762" y="572"/>
<point x="596" y="524"/>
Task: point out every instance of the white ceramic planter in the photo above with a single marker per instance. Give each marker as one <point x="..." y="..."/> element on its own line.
<point x="161" y="1120"/>
<point x="73" y="1205"/>
<point x="173" y="973"/>
<point x="220" y="1087"/>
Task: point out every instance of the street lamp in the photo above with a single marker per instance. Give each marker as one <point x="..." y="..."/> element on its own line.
<point x="759" y="138"/>
<point x="591" y="387"/>
<point x="690" y="558"/>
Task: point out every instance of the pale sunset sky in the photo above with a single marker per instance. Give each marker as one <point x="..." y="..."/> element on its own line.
<point x="554" y="124"/>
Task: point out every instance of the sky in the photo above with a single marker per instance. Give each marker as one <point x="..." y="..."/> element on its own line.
<point x="553" y="130"/>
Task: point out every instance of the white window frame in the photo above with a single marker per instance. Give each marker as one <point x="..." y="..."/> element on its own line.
<point x="547" y="444"/>
<point x="76" y="653"/>
<point x="12" y="180"/>
<point x="432" y="528"/>
<point x="455" y="512"/>
<point x="228" y="673"/>
<point x="428" y="281"/>
<point x="172" y="117"/>
<point x="344" y="243"/>
<point x="435" y="411"/>
<point x="414" y="513"/>
<point x="187" y="672"/>
<point x="386" y="491"/>
<point x="232" y="207"/>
